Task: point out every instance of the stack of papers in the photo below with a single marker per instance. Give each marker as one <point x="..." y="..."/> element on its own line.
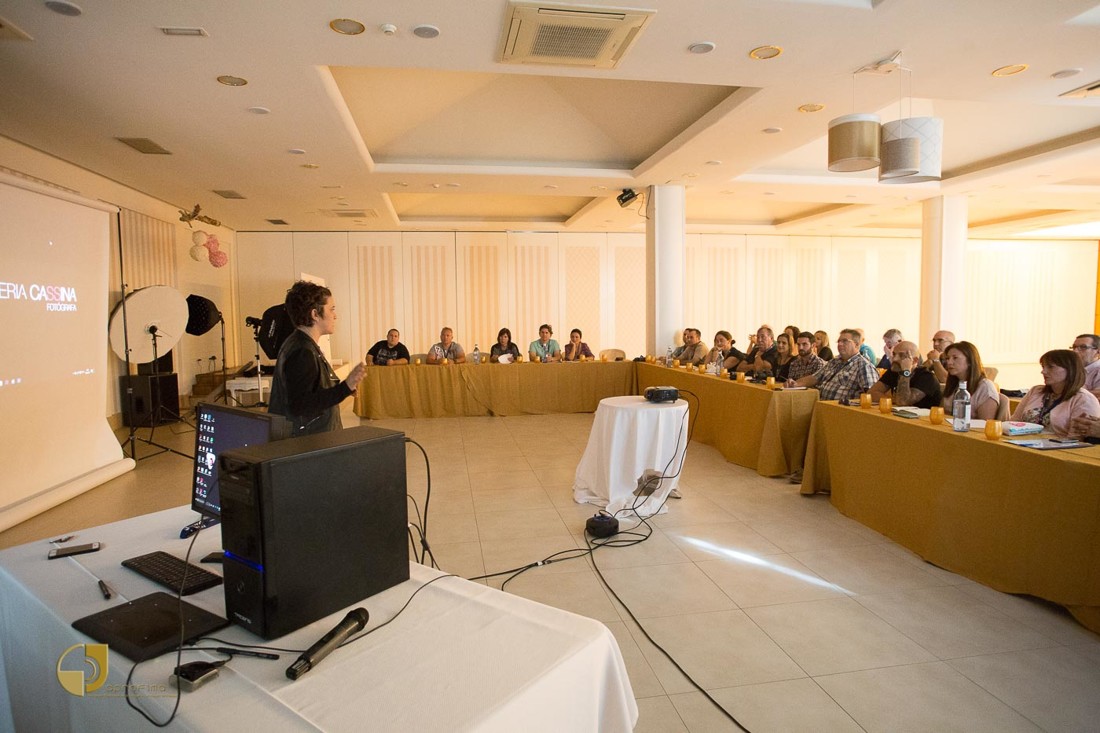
<point x="1049" y="443"/>
<point x="1014" y="427"/>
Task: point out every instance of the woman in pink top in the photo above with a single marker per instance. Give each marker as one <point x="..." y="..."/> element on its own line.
<point x="1060" y="398"/>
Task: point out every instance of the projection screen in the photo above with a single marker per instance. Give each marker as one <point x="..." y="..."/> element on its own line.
<point x="55" y="442"/>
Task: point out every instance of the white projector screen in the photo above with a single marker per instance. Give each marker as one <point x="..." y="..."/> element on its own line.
<point x="54" y="438"/>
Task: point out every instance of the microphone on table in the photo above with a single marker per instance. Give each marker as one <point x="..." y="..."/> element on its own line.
<point x="352" y="624"/>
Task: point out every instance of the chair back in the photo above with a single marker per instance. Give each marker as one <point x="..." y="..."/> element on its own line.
<point x="1002" y="408"/>
<point x="613" y="354"/>
<point x="423" y="358"/>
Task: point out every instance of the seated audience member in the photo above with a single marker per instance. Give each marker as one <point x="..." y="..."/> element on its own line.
<point x="545" y="348"/>
<point x="867" y="352"/>
<point x="792" y="332"/>
<point x="964" y="364"/>
<point x="576" y="348"/>
<point x="724" y="352"/>
<point x="846" y="376"/>
<point x="890" y="339"/>
<point x="907" y="382"/>
<point x="390" y="352"/>
<point x="936" y="360"/>
<point x="1087" y="346"/>
<point x="694" y="351"/>
<point x="763" y="357"/>
<point x="807" y="362"/>
<point x="785" y="357"/>
<point x="504" y="351"/>
<point x="821" y="346"/>
<point x="1061" y="397"/>
<point x="1085" y="428"/>
<point x="447" y="348"/>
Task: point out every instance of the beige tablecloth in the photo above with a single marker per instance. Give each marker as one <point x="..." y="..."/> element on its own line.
<point x="1015" y="519"/>
<point x="749" y="424"/>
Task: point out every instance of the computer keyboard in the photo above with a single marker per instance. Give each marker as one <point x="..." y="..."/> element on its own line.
<point x="160" y="567"/>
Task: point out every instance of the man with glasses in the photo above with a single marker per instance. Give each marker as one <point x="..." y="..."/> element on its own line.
<point x="846" y="376"/>
<point x="1087" y="346"/>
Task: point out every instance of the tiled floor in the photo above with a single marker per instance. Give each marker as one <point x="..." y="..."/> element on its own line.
<point x="791" y="615"/>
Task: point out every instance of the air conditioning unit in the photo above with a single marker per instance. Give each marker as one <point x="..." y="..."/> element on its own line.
<point x="570" y="35"/>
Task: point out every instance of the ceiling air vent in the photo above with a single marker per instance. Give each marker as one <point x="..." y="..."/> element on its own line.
<point x="1089" y="91"/>
<point x="228" y="194"/>
<point x="350" y="213"/>
<point x="279" y="222"/>
<point x="144" y="145"/>
<point x="570" y="35"/>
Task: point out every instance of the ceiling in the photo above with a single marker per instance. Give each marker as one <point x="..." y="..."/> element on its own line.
<point x="399" y="132"/>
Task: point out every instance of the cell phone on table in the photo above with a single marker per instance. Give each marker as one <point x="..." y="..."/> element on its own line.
<point x="74" y="550"/>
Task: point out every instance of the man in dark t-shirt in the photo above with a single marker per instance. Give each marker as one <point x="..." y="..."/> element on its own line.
<point x="390" y="352"/>
<point x="906" y="382"/>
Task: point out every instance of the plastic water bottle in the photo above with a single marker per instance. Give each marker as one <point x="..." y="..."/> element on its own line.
<point x="960" y="409"/>
<point x="668" y="357"/>
<point x="476" y="355"/>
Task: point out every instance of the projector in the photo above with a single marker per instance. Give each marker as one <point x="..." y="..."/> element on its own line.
<point x="626" y="198"/>
<point x="661" y="394"/>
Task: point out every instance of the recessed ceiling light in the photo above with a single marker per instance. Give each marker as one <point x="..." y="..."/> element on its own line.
<point x="454" y="185"/>
<point x="702" y="47"/>
<point x="714" y="162"/>
<point x="259" y="110"/>
<point x="769" y="193"/>
<point x="727" y="192"/>
<point x="310" y="166"/>
<point x="812" y="107"/>
<point x="550" y="186"/>
<point x="232" y="81"/>
<point x="402" y="184"/>
<point x="1065" y="73"/>
<point x="426" y="31"/>
<point x="181" y="31"/>
<point x="763" y="53"/>
<point x="689" y="175"/>
<point x="1010" y="70"/>
<point x="437" y="185"/>
<point x="64" y="7"/>
<point x="599" y="188"/>
<point x="296" y="151"/>
<point x="775" y="130"/>
<point x="347" y="26"/>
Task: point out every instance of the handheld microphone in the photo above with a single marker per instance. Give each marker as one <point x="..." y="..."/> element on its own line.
<point x="353" y="623"/>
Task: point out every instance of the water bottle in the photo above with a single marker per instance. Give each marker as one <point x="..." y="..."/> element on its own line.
<point x="960" y="409"/>
<point x="668" y="357"/>
<point x="476" y="355"/>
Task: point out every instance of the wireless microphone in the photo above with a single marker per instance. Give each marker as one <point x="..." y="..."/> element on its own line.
<point x="353" y="623"/>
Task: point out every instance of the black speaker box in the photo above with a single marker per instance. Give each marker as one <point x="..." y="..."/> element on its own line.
<point x="312" y="525"/>
<point x="150" y="393"/>
<point x="163" y="365"/>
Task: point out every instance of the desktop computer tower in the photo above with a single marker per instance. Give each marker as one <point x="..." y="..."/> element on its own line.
<point x="312" y="525"/>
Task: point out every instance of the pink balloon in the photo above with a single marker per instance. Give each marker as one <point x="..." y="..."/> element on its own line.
<point x="219" y="259"/>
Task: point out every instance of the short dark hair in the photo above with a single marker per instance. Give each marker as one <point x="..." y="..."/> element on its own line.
<point x="1095" y="339"/>
<point x="547" y="327"/>
<point x="697" y="332"/>
<point x="302" y="299"/>
<point x="806" y="335"/>
<point x="576" y="331"/>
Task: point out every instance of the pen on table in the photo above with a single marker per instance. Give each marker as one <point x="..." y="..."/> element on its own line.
<point x="245" y="653"/>
<point x="105" y="590"/>
<point x="66" y="538"/>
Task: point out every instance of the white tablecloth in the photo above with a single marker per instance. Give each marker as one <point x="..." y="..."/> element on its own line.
<point x="462" y="656"/>
<point x="628" y="436"/>
<point x="244" y="384"/>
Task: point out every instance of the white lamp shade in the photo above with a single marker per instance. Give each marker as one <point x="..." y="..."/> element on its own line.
<point x="929" y="132"/>
<point x="854" y="143"/>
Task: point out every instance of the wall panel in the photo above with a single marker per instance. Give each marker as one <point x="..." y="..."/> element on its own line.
<point x="430" y="288"/>
<point x="580" y="286"/>
<point x="534" y="257"/>
<point x="482" y="276"/>
<point x="627" y="255"/>
<point x="378" y="285"/>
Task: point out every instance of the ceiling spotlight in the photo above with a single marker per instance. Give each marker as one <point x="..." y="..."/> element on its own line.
<point x="347" y="26"/>
<point x="811" y="108"/>
<point x="1065" y="73"/>
<point x="551" y="186"/>
<point x="232" y="81"/>
<point x="1010" y="70"/>
<point x="776" y="130"/>
<point x="296" y="151"/>
<point x="626" y="198"/>
<point x="310" y="166"/>
<point x="763" y="53"/>
<point x="702" y="47"/>
<point x="259" y="110"/>
<point x="426" y="31"/>
<point x="64" y="7"/>
<point x="714" y="162"/>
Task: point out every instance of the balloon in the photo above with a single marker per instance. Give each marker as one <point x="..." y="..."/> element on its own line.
<point x="199" y="237"/>
<point x="199" y="253"/>
<point x="219" y="259"/>
<point x="212" y="243"/>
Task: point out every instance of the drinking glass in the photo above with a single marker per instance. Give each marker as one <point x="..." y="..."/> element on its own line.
<point x="993" y="430"/>
<point x="885" y="404"/>
<point x="865" y="400"/>
<point x="935" y="415"/>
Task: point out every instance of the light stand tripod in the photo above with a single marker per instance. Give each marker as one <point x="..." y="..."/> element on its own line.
<point x="158" y="408"/>
<point x="256" y="324"/>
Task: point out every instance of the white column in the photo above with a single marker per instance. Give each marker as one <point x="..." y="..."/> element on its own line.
<point x="664" y="256"/>
<point x="943" y="267"/>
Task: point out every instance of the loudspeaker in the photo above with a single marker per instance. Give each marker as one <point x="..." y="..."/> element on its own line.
<point x="163" y="365"/>
<point x="312" y="525"/>
<point x="149" y="393"/>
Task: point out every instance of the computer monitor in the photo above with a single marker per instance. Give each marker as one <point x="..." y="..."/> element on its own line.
<point x="219" y="428"/>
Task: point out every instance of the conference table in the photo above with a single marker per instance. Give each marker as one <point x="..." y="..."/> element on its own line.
<point x="750" y="425"/>
<point x="629" y="436"/>
<point x="1016" y="519"/>
<point x="470" y="390"/>
<point x="461" y="657"/>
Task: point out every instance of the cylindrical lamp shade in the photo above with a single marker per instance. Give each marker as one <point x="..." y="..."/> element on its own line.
<point x="853" y="143"/>
<point x="929" y="131"/>
<point x="900" y="157"/>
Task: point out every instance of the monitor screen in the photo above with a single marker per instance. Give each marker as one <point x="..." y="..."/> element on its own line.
<point x="220" y="428"/>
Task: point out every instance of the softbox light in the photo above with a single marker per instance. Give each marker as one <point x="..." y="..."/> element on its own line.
<point x="202" y="315"/>
<point x="274" y="330"/>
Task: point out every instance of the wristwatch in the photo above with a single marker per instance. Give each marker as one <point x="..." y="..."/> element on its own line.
<point x="906" y="373"/>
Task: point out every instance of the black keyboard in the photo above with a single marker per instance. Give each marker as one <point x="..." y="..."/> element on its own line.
<point x="160" y="567"/>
